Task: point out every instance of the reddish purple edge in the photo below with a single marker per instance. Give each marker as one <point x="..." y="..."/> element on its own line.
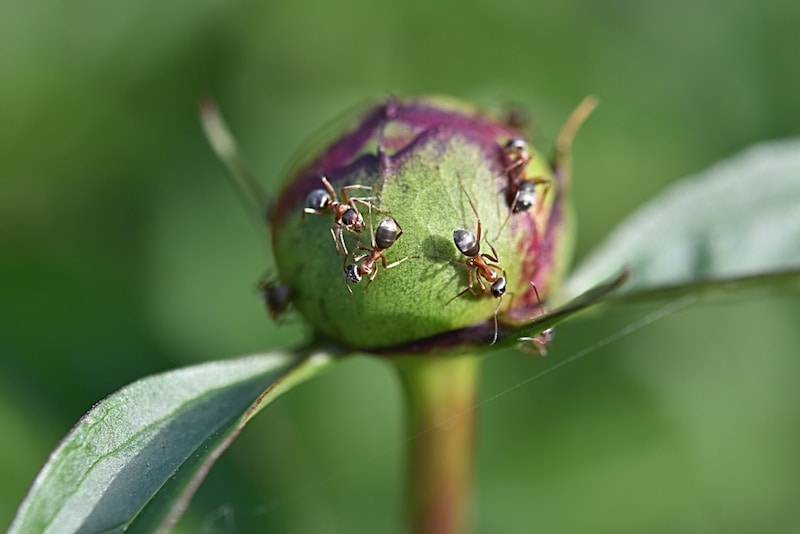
<point x="347" y="154"/>
<point x="424" y="118"/>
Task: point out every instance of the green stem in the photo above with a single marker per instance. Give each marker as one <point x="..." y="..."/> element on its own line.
<point x="441" y="397"/>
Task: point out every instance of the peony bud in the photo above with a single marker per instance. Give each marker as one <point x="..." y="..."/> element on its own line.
<point x="423" y="224"/>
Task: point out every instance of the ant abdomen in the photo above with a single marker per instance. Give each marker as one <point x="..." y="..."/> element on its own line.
<point x="525" y="197"/>
<point x="466" y="242"/>
<point x="317" y="200"/>
<point x="387" y="233"/>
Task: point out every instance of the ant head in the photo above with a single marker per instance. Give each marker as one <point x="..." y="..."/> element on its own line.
<point x="351" y="272"/>
<point x="277" y="296"/>
<point x="516" y="145"/>
<point x="387" y="233"/>
<point x="353" y="219"/>
<point x="498" y="288"/>
<point x="466" y="242"/>
<point x="318" y="200"/>
<point x="526" y="197"/>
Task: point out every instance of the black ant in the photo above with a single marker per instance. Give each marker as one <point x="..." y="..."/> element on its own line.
<point x="277" y="296"/>
<point x="482" y="266"/>
<point x="387" y="232"/>
<point x="515" y="157"/>
<point x="345" y="213"/>
<point x="539" y="342"/>
<point x="521" y="190"/>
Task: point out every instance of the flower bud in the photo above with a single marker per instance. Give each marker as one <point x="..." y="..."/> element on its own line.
<point x="425" y="218"/>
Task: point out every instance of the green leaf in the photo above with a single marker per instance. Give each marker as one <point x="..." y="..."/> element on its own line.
<point x="135" y="460"/>
<point x="735" y="225"/>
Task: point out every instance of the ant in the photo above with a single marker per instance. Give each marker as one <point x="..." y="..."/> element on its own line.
<point x="482" y="266"/>
<point x="384" y="236"/>
<point x="521" y="190"/>
<point x="345" y="213"/>
<point x="515" y="157"/>
<point x="540" y="341"/>
<point x="277" y="296"/>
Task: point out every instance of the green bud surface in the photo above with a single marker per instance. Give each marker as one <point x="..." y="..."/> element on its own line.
<point x="420" y="161"/>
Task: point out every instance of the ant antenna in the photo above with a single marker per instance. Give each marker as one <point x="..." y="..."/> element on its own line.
<point x="224" y="145"/>
<point x="538" y="299"/>
<point x="496" y="326"/>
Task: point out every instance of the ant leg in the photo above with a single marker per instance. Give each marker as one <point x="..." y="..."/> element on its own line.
<point x="500" y="230"/>
<point x="462" y="292"/>
<point x="330" y="189"/>
<point x="364" y="201"/>
<point x="480" y="283"/>
<point x="346" y="188"/>
<point x="495" y="266"/>
<point x="515" y="170"/>
<point x="470" y="282"/>
<point x="395" y="263"/>
<point x="338" y="240"/>
<point x="346" y="283"/>
<point x="538" y="199"/>
<point x="539" y="343"/>
<point x="371" y="229"/>
<point x="491" y="257"/>
<point x="374" y="272"/>
<point x="371" y="278"/>
<point x="386" y="266"/>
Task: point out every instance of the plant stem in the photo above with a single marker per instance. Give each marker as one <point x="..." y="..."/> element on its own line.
<point x="440" y="395"/>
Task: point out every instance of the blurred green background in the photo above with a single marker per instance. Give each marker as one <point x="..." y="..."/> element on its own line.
<point x="124" y="251"/>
